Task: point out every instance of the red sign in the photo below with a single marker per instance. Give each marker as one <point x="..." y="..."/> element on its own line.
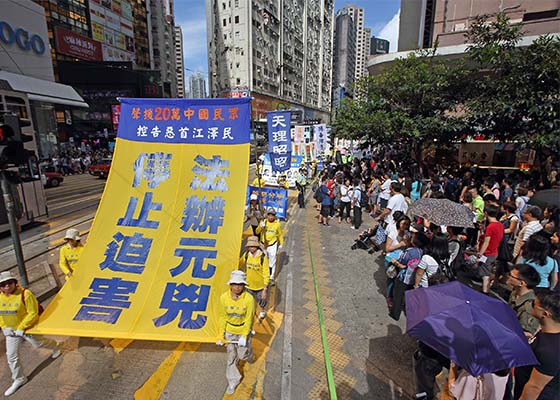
<point x="116" y="111"/>
<point x="79" y="46"/>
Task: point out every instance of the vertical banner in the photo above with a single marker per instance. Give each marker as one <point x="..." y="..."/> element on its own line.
<point x="279" y="140"/>
<point x="168" y="229"/>
<point x="320" y="138"/>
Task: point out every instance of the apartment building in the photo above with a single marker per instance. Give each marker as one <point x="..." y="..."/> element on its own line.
<point x="163" y="37"/>
<point x="197" y="86"/>
<point x="179" y="64"/>
<point x="344" y="61"/>
<point x="277" y="51"/>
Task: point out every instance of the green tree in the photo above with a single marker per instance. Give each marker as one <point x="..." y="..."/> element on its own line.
<point x="516" y="93"/>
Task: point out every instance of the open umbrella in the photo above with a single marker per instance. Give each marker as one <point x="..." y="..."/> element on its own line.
<point x="477" y="332"/>
<point x="546" y="198"/>
<point x="443" y="212"/>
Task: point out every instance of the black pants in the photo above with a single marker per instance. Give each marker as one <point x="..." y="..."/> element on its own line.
<point x="425" y="371"/>
<point x="357" y="217"/>
<point x="472" y="236"/>
<point x="344" y="210"/>
<point x="399" y="288"/>
<point x="301" y="195"/>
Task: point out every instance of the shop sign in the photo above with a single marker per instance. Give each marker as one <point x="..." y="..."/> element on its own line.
<point x="22" y="38"/>
<point x="79" y="46"/>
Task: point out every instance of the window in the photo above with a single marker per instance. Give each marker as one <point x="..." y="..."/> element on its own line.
<point x="224" y="22"/>
<point x="223" y="6"/>
<point x="540" y="15"/>
<point x="237" y="19"/>
<point x="236" y="3"/>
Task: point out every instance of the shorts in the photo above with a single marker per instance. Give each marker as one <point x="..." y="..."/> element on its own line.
<point x="325" y="210"/>
<point x="257" y="294"/>
<point x="383" y="202"/>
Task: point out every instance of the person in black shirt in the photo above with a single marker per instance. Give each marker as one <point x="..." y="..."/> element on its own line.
<point x="542" y="381"/>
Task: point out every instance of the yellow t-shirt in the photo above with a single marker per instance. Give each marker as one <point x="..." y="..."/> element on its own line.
<point x="272" y="233"/>
<point x="258" y="275"/>
<point x="14" y="314"/>
<point x="69" y="257"/>
<point x="256" y="182"/>
<point x="236" y="316"/>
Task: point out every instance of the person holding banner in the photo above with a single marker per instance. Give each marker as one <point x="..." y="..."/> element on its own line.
<point x="70" y="253"/>
<point x="19" y="311"/>
<point x="254" y="262"/>
<point x="272" y="238"/>
<point x="254" y="213"/>
<point x="236" y="323"/>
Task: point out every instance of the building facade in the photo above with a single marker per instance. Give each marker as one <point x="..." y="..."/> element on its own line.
<point x="278" y="52"/>
<point x="142" y="34"/>
<point x="362" y="42"/>
<point x="179" y="65"/>
<point x="163" y="37"/>
<point x="197" y="86"/>
<point x="344" y="60"/>
<point x="446" y="21"/>
<point x="378" y="46"/>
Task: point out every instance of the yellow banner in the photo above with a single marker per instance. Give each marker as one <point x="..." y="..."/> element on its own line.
<point x="168" y="229"/>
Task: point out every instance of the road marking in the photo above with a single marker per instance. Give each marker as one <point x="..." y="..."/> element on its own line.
<point x="120" y="344"/>
<point x="154" y="386"/>
<point x="62" y="205"/>
<point x="265" y="333"/>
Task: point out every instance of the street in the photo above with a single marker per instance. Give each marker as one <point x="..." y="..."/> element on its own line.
<point x="369" y="352"/>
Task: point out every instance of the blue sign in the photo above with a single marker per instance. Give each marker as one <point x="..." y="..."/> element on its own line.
<point x="198" y="121"/>
<point x="22" y="38"/>
<point x="279" y="140"/>
<point x="269" y="197"/>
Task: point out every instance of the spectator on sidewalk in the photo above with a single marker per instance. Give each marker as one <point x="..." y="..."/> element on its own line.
<point x="272" y="238"/>
<point x="356" y="203"/>
<point x="19" y="311"/>
<point x="523" y="279"/>
<point x="70" y="253"/>
<point x="237" y="307"/>
<point x="531" y="216"/>
<point x="346" y="194"/>
<point x="397" y="202"/>
<point x="536" y="253"/>
<point x="254" y="262"/>
<point x="326" y="202"/>
<point x="301" y="183"/>
<point x="490" y="241"/>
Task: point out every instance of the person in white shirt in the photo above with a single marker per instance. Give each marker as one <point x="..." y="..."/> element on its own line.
<point x="385" y="191"/>
<point x="532" y="216"/>
<point x="397" y="202"/>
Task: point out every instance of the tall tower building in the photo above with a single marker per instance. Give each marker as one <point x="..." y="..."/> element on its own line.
<point x="357" y="15"/>
<point x="197" y="86"/>
<point x="179" y="61"/>
<point x="142" y="34"/>
<point x="163" y="36"/>
<point x="367" y="49"/>
<point x="277" y="51"/>
<point x="344" y="59"/>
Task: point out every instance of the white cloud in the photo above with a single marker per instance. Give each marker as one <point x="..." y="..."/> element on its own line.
<point x="390" y="32"/>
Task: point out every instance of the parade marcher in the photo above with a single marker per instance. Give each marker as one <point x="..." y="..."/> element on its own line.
<point x="19" y="311"/>
<point x="237" y="307"/>
<point x="531" y="216"/>
<point x="270" y="231"/>
<point x="70" y="253"/>
<point x="542" y="381"/>
<point x="301" y="183"/>
<point x="254" y="213"/>
<point x="258" y="181"/>
<point x="254" y="262"/>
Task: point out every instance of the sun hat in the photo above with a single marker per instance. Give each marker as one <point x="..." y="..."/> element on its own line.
<point x="253" y="241"/>
<point x="254" y="197"/>
<point x="7" y="276"/>
<point x="72" y="234"/>
<point x="271" y="211"/>
<point x="238" y="277"/>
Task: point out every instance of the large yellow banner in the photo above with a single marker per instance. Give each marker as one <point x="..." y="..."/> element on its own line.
<point x="168" y="230"/>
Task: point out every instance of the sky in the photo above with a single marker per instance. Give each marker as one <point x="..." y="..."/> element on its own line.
<point x="380" y="15"/>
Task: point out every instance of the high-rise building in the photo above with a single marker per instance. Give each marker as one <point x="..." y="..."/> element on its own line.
<point x="142" y="34"/>
<point x="422" y="23"/>
<point x="344" y="56"/>
<point x="378" y="46"/>
<point x="279" y="52"/>
<point x="197" y="86"/>
<point x="179" y="61"/>
<point x="362" y="42"/>
<point x="163" y="35"/>
<point x="366" y="44"/>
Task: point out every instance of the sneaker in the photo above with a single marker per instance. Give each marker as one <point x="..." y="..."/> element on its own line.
<point x="262" y="315"/>
<point x="15" y="386"/>
<point x="230" y="389"/>
<point x="55" y="353"/>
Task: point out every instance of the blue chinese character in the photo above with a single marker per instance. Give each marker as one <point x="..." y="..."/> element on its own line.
<point x="199" y="214"/>
<point x="106" y="301"/>
<point x="198" y="255"/>
<point x="142" y="220"/>
<point x="211" y="170"/>
<point x="184" y="300"/>
<point x="129" y="256"/>
<point x="153" y="167"/>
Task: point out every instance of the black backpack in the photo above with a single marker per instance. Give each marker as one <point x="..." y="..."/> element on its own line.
<point x="318" y="195"/>
<point x="459" y="260"/>
<point x="363" y="198"/>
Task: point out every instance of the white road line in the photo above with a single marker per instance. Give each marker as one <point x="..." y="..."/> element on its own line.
<point x="288" y="317"/>
<point x="90" y="198"/>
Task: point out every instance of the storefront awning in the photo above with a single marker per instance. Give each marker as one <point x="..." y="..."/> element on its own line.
<point x="42" y="90"/>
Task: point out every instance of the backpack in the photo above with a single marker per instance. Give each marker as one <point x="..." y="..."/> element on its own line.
<point x="318" y="195"/>
<point x="459" y="260"/>
<point x="363" y="198"/>
<point x="246" y="255"/>
<point x="41" y="309"/>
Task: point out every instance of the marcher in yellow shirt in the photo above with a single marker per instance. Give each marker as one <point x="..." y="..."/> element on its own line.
<point x="19" y="311"/>
<point x="254" y="262"/>
<point x="70" y="253"/>
<point x="237" y="308"/>
<point x="258" y="181"/>
<point x="271" y="235"/>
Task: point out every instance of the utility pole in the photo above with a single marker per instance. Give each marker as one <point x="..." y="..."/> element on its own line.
<point x="9" y="202"/>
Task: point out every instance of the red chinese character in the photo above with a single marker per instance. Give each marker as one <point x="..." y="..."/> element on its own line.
<point x="148" y="114"/>
<point x="135" y="112"/>
<point x="188" y="113"/>
<point x="175" y="114"/>
<point x="233" y="113"/>
<point x="218" y="114"/>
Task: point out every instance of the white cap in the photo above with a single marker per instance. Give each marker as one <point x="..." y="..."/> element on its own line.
<point x="254" y="197"/>
<point x="238" y="277"/>
<point x="72" y="234"/>
<point x="7" y="276"/>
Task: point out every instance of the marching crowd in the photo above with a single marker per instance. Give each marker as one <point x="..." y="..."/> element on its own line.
<point x="75" y="162"/>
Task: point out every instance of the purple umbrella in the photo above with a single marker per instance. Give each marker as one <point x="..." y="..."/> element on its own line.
<point x="477" y="332"/>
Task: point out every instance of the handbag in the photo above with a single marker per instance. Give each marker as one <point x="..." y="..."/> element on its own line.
<point x="380" y="234"/>
<point x="392" y="271"/>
